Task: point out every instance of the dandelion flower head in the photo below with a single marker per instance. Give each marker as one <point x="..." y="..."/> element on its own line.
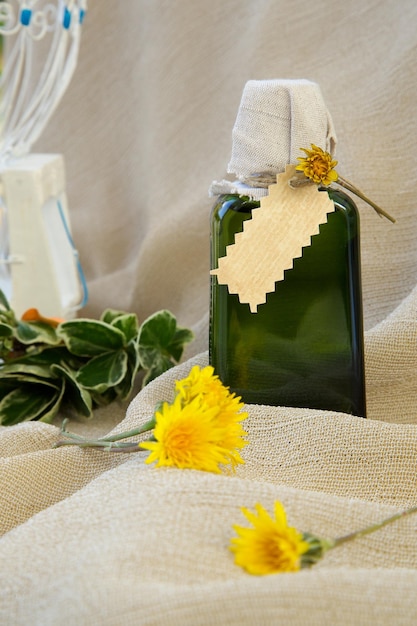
<point x="270" y="546"/>
<point x="202" y="382"/>
<point x="318" y="165"/>
<point x="190" y="436"/>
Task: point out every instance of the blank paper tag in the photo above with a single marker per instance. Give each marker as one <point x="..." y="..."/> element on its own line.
<point x="270" y="241"/>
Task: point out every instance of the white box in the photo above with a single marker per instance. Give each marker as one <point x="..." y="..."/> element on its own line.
<point x="41" y="268"/>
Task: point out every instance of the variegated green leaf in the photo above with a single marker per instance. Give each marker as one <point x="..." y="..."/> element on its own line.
<point x="128" y="324"/>
<point x="36" y="332"/>
<point x="124" y="388"/>
<point x="85" y="337"/>
<point x="5" y="330"/>
<point x="78" y="397"/>
<point x="159" y="341"/>
<point x="103" y="371"/>
<point x="27" y="402"/>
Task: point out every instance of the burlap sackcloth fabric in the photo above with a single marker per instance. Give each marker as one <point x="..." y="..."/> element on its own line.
<point x="90" y="538"/>
<point x="141" y="545"/>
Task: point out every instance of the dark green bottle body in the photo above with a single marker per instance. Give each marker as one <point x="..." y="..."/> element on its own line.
<point x="304" y="346"/>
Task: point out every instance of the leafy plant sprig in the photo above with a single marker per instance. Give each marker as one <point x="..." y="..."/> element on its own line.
<point x="80" y="364"/>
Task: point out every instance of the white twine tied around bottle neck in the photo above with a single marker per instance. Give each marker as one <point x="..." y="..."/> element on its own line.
<point x="30" y="97"/>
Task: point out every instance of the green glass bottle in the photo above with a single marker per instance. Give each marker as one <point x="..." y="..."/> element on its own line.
<point x="304" y="346"/>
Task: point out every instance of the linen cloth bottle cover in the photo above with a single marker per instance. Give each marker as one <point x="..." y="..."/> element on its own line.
<point x="283" y="330"/>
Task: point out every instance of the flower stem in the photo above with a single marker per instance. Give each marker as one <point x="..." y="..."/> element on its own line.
<point x="370" y="529"/>
<point x="110" y="443"/>
<point x="132" y="433"/>
<point x="343" y="182"/>
<point x="107" y="446"/>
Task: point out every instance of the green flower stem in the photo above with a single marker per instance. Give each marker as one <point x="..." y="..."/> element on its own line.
<point x="132" y="433"/>
<point x="370" y="529"/>
<point x="108" y="446"/>
<point x="69" y="435"/>
<point x="111" y="443"/>
<point x="299" y="180"/>
<point x="350" y="187"/>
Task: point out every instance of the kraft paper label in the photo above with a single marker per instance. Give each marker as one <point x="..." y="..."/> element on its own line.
<point x="270" y="241"/>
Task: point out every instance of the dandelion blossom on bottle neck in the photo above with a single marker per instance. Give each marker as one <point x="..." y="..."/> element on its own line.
<point x="318" y="165"/>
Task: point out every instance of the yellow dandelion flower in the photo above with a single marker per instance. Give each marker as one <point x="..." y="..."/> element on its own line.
<point x="318" y="165"/>
<point x="270" y="546"/>
<point x="199" y="380"/>
<point x="190" y="436"/>
<point x="202" y="381"/>
<point x="205" y="384"/>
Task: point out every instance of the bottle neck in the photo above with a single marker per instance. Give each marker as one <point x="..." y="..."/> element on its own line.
<point x="261" y="180"/>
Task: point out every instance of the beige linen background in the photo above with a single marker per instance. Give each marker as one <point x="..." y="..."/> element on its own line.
<point x="95" y="538"/>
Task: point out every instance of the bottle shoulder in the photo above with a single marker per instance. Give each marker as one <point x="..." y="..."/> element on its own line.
<point x="225" y="204"/>
<point x="343" y="201"/>
<point x="233" y="203"/>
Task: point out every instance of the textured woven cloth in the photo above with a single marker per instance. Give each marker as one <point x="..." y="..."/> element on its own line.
<point x="275" y="118"/>
<point x="101" y="538"/>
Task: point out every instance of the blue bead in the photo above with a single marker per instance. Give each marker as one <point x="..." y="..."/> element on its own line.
<point x="25" y="16"/>
<point x="66" y="22"/>
<point x="82" y="15"/>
